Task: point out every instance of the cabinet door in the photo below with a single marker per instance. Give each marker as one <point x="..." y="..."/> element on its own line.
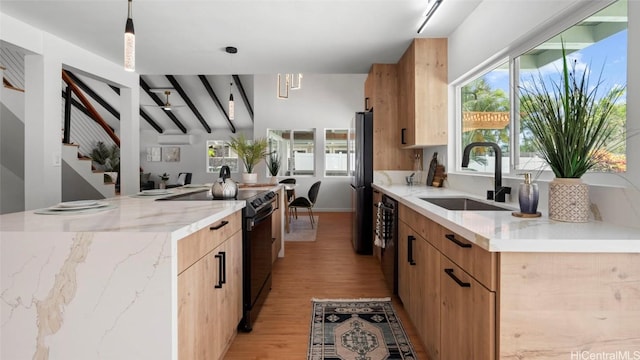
<point x="467" y="315"/>
<point x="276" y="226"/>
<point x="197" y="316"/>
<point x="404" y="266"/>
<point x="228" y="299"/>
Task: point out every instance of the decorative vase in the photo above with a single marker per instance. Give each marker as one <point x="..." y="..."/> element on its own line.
<point x="528" y="195"/>
<point x="274" y="179"/>
<point x="249" y="178"/>
<point x="163" y="184"/>
<point x="569" y="200"/>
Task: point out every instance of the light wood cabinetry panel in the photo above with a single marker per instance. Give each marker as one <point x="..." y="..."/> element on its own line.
<point x="422" y="88"/>
<point x="381" y="91"/>
<point x="209" y="293"/>
<point x="467" y="324"/>
<point x="196" y="245"/>
<point x="419" y="289"/>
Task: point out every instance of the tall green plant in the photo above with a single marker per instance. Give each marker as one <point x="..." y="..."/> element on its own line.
<point x="568" y="119"/>
<point x="250" y="152"/>
<point x="273" y="163"/>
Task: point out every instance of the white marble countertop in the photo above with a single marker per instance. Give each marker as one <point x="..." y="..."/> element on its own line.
<point x="130" y="214"/>
<point x="499" y="231"/>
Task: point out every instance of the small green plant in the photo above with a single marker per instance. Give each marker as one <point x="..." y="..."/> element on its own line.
<point x="273" y="163"/>
<point x="107" y="157"/>
<point x="250" y="152"/>
<point x="164" y="177"/>
<point x="569" y="119"/>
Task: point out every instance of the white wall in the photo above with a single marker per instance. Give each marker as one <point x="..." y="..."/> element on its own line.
<point x="47" y="55"/>
<point x="513" y="24"/>
<point x="325" y="101"/>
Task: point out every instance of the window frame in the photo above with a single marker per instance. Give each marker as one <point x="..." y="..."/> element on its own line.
<point x="347" y="149"/>
<point x="284" y="168"/>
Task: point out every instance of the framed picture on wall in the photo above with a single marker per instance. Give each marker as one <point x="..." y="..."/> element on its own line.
<point x="171" y="154"/>
<point x="153" y="153"/>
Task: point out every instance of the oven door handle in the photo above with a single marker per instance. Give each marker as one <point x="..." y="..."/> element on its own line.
<point x="253" y="222"/>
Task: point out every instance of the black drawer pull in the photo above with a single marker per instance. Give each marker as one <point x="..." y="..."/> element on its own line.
<point x="402" y="140"/>
<point x="456" y="241"/>
<point x="410" y="240"/>
<point x="223" y="223"/>
<point x="455" y="278"/>
<point x="220" y="270"/>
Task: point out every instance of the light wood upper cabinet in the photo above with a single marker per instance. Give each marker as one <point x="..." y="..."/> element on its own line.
<point x="422" y="89"/>
<point x="209" y="289"/>
<point x="381" y="96"/>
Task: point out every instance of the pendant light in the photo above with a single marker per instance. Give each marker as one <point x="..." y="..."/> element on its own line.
<point x="129" y="43"/>
<point x="232" y="108"/>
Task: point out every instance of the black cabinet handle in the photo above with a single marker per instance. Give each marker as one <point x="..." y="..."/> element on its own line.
<point x="366" y="103"/>
<point x="224" y="267"/>
<point x="402" y="140"/>
<point x="455" y="278"/>
<point x="410" y="240"/>
<point x="220" y="270"/>
<point x="223" y="223"/>
<point x="452" y="238"/>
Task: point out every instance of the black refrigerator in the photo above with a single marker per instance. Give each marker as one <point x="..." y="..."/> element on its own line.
<point x="361" y="192"/>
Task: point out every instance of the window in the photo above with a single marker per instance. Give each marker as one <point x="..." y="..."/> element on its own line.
<point x="604" y="53"/>
<point x="336" y="152"/>
<point x="487" y="112"/>
<point x="485" y="117"/>
<point x="296" y="149"/>
<point x="218" y="154"/>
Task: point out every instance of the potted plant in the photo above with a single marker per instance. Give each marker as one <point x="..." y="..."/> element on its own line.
<point x="163" y="181"/>
<point x="106" y="159"/>
<point x="273" y="164"/>
<point x="251" y="153"/>
<point x="569" y="121"/>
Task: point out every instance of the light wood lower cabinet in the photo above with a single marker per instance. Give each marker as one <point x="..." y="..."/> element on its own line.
<point x="210" y="296"/>
<point x="276" y="225"/>
<point x="419" y="285"/>
<point x="467" y="323"/>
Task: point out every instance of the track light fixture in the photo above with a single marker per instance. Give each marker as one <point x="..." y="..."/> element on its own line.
<point x="129" y="43"/>
<point x="430" y="11"/>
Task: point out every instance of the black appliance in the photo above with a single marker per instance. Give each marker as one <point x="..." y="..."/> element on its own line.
<point x="256" y="246"/>
<point x="387" y="232"/>
<point x="361" y="192"/>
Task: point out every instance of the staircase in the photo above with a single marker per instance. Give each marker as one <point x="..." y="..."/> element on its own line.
<point x="79" y="180"/>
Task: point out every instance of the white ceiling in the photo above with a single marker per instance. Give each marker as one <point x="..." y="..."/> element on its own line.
<point x="189" y="36"/>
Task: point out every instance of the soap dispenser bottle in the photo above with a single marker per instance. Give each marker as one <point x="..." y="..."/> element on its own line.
<point x="528" y="196"/>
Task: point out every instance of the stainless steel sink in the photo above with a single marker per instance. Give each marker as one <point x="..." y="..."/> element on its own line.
<point x="463" y="204"/>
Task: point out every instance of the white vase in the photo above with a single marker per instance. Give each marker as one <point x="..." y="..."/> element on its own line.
<point x="569" y="200"/>
<point x="249" y="178"/>
<point x="274" y="179"/>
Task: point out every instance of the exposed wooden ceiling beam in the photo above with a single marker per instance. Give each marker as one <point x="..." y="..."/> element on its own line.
<point x="82" y="85"/>
<point x="185" y="97"/>
<point x="245" y="99"/>
<point x="159" y="102"/>
<point x="142" y="113"/>
<point x="215" y="99"/>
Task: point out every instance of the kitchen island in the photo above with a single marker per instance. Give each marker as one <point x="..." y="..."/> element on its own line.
<point x="100" y="285"/>
<point x="488" y="285"/>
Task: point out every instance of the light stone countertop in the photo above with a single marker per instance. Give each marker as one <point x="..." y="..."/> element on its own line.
<point x="131" y="214"/>
<point x="499" y="231"/>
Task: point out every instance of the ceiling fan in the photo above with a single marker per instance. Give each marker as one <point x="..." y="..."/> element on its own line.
<point x="167" y="105"/>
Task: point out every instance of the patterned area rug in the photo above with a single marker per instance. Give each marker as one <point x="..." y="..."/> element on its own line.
<point x="357" y="329"/>
<point x="301" y="229"/>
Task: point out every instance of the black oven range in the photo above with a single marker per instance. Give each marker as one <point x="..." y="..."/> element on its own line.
<point x="256" y="246"/>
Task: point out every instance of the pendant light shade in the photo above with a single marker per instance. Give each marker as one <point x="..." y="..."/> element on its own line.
<point x="129" y="43"/>
<point x="232" y="107"/>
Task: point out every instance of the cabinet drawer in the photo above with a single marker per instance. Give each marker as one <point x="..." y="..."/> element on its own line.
<point x="478" y="262"/>
<point x="198" y="244"/>
<point x="421" y="225"/>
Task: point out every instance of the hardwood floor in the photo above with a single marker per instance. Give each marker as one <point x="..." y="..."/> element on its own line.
<point x="325" y="268"/>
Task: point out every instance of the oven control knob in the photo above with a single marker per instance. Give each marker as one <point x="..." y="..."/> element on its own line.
<point x="256" y="202"/>
<point x="270" y="195"/>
